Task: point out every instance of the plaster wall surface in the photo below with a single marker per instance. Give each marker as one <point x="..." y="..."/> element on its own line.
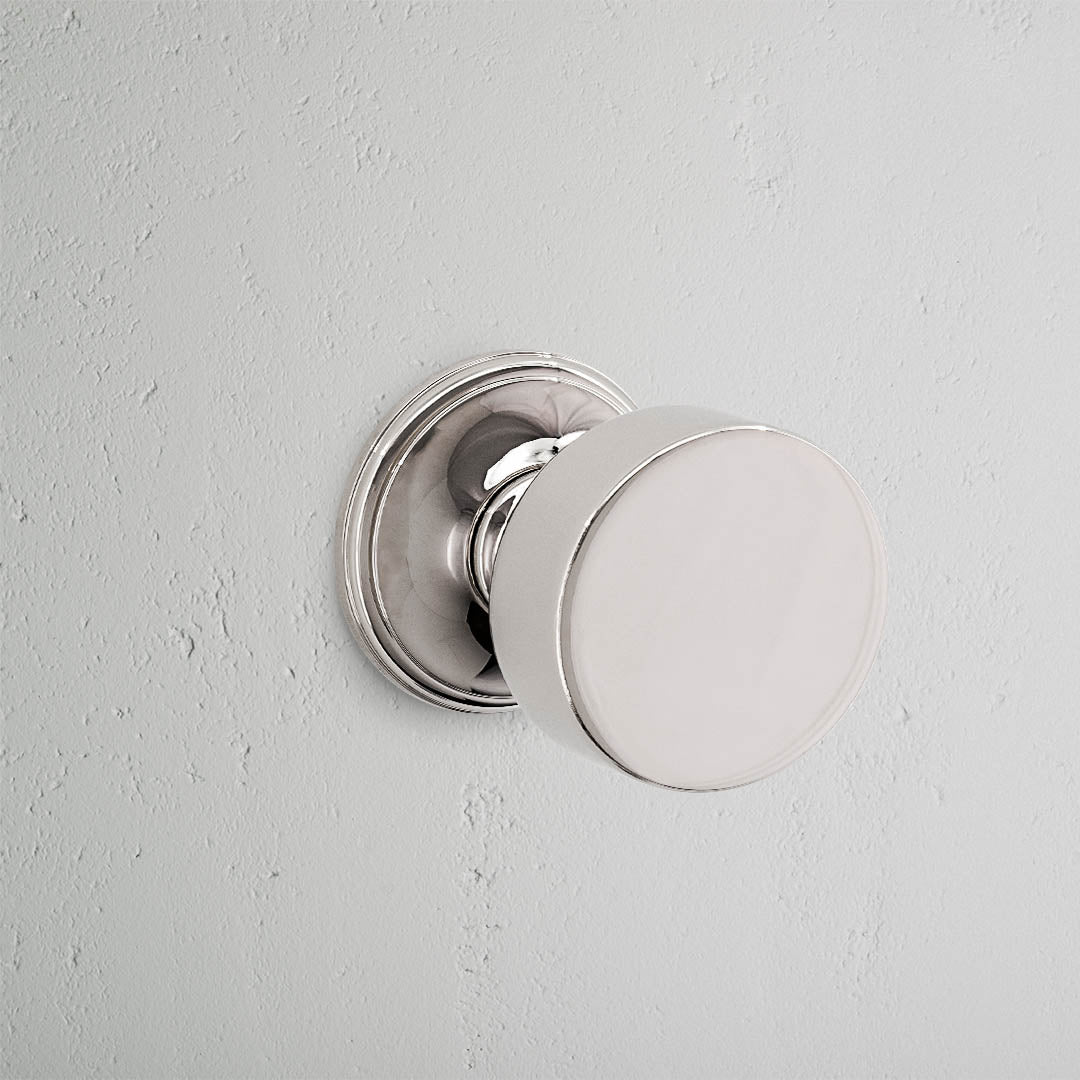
<point x="233" y="237"/>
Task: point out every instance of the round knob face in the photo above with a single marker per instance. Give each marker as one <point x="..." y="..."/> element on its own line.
<point x="720" y="593"/>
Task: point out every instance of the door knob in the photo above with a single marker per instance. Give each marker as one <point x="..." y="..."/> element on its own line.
<point x="689" y="597"/>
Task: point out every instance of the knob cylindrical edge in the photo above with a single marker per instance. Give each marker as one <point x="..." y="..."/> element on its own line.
<point x="539" y="544"/>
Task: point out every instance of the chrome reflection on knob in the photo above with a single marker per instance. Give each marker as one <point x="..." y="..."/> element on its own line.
<point x="689" y="597"/>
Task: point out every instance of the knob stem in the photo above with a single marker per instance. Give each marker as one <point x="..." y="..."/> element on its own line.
<point x="507" y="481"/>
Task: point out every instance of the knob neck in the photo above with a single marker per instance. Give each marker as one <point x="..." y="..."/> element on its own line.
<point x="506" y="482"/>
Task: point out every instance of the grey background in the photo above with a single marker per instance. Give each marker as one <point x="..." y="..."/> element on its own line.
<point x="233" y="237"/>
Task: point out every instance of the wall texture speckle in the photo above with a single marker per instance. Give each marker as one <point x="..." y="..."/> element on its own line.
<point x="233" y="237"/>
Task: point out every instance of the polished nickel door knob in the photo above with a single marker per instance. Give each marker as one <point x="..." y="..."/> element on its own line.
<point x="689" y="597"/>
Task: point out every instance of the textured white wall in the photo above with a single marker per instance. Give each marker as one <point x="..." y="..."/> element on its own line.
<point x="233" y="237"/>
